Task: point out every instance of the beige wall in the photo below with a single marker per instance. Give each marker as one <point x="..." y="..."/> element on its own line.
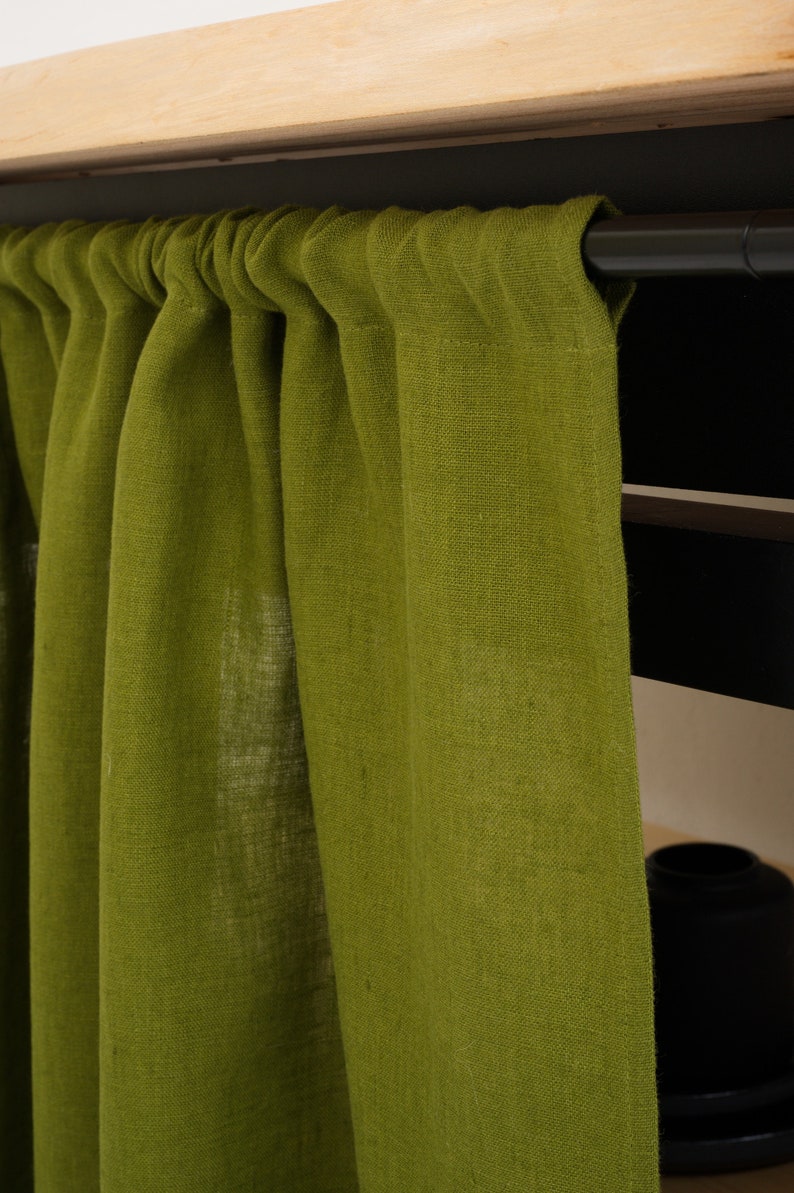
<point x="716" y="767"/>
<point x="713" y="766"/>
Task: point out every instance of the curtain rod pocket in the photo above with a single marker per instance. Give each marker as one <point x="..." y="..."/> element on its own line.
<point x="752" y="243"/>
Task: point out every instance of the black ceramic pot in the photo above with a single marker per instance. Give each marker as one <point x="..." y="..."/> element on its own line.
<point x="723" y="944"/>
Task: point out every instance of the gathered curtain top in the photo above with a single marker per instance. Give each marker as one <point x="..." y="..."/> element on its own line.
<point x="359" y="266"/>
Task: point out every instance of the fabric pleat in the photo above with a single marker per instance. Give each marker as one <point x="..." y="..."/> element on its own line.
<point x="328" y="865"/>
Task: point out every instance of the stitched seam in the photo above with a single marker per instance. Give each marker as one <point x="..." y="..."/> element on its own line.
<point x="629" y="1165"/>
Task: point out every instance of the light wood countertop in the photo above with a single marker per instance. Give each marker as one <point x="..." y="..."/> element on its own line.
<point x="353" y="75"/>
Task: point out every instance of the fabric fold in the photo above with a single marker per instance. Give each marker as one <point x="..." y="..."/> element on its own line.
<point x="336" y="872"/>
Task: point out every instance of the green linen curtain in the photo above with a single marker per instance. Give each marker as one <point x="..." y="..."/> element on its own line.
<point x="335" y="868"/>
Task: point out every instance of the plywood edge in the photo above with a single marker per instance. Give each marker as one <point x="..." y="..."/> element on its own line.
<point x="655" y="836"/>
<point x="351" y="75"/>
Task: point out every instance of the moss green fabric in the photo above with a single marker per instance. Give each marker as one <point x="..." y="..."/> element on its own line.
<point x="336" y="874"/>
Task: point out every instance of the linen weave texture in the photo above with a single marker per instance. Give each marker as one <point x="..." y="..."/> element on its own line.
<point x="331" y="834"/>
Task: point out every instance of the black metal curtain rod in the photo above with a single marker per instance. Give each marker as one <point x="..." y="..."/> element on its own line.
<point x="756" y="244"/>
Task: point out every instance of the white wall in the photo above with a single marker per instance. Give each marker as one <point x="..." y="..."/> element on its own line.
<point x="41" y="28"/>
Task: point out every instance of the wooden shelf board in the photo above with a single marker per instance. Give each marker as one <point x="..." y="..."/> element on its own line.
<point x="657" y="835"/>
<point x="743" y="521"/>
<point x="779" y="1179"/>
<point x="350" y="75"/>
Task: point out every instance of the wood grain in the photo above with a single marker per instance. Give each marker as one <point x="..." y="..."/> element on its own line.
<point x="779" y="1179"/>
<point x="657" y="835"/>
<point x="352" y="75"/>
<point x="769" y="525"/>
